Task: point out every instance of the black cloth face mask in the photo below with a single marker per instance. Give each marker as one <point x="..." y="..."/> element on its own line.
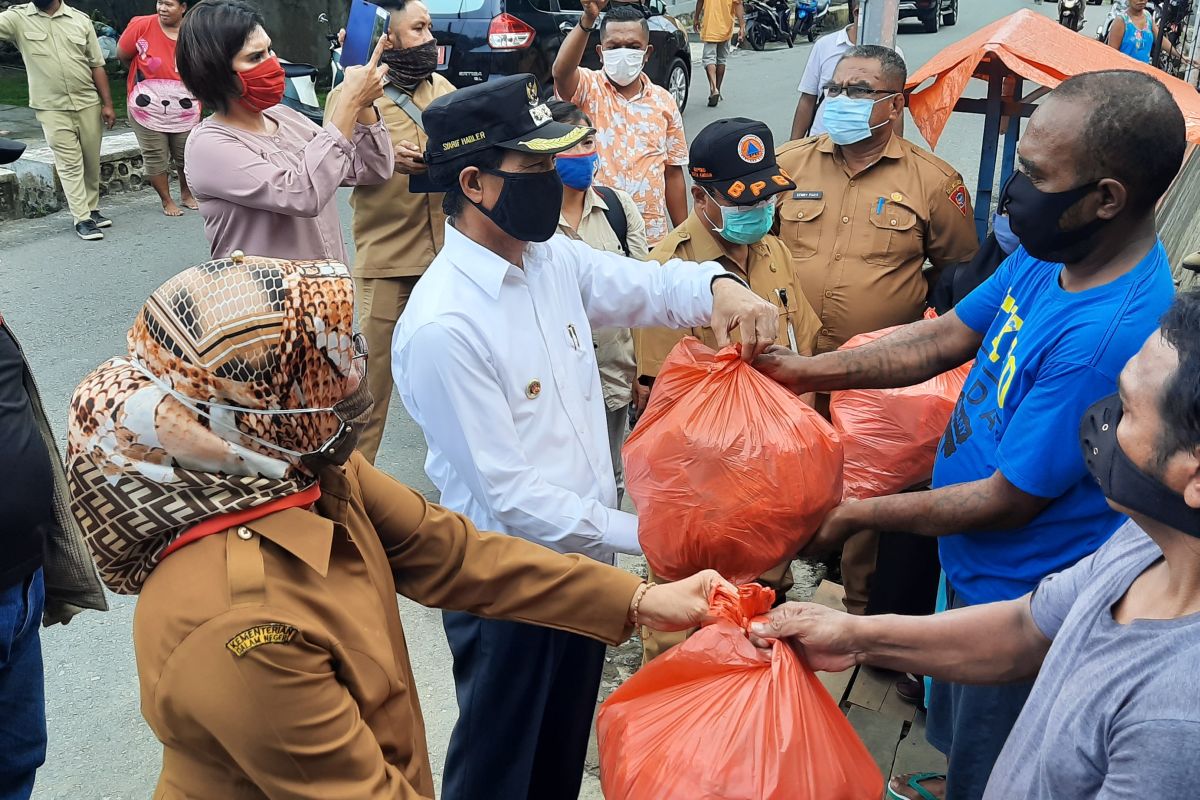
<point x="409" y="66"/>
<point x="528" y="206"/>
<point x="1121" y="480"/>
<point x="1034" y="217"/>
<point x="353" y="410"/>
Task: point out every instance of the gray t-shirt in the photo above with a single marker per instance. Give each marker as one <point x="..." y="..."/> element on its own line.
<point x="1115" y="712"/>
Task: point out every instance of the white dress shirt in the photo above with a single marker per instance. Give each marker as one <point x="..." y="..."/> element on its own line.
<point x="496" y="365"/>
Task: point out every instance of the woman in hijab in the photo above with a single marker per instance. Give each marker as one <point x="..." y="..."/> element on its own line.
<point x="212" y="472"/>
<point x="265" y="175"/>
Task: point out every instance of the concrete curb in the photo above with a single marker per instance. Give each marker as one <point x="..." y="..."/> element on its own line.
<point x="30" y="187"/>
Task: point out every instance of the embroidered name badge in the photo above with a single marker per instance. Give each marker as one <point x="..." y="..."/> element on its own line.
<point x="807" y="195"/>
<point x="271" y="633"/>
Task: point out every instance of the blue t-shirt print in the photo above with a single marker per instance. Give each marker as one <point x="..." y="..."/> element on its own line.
<point x="1047" y="355"/>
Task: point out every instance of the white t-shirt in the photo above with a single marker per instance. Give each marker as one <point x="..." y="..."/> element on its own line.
<point x="822" y="61"/>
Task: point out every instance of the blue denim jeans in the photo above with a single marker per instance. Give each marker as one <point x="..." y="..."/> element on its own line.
<point x="22" y="688"/>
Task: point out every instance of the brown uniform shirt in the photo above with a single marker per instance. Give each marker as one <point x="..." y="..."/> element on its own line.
<point x="770" y="274"/>
<point x="60" y="50"/>
<point x="272" y="660"/>
<point x="397" y="232"/>
<point x="860" y="241"/>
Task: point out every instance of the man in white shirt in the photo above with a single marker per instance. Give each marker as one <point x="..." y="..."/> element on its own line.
<point x="822" y="61"/>
<point x="494" y="360"/>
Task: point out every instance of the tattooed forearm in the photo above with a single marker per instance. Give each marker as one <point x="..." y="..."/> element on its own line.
<point x="989" y="504"/>
<point x="912" y="354"/>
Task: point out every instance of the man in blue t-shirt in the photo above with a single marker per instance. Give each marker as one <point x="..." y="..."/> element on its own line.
<point x="1114" y="640"/>
<point x="1050" y="332"/>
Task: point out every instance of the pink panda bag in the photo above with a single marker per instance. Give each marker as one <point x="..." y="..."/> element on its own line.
<point x="163" y="105"/>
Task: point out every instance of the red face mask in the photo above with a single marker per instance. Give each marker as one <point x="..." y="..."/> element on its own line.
<point x="262" y="87"/>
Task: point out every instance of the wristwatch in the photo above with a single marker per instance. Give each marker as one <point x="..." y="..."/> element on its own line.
<point x="731" y="277"/>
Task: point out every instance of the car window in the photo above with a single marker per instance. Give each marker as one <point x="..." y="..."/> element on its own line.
<point x="571" y="5"/>
<point x="454" y="6"/>
<point x="546" y="5"/>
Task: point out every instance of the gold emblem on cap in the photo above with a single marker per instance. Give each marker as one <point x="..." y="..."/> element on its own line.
<point x="531" y="91"/>
<point x="534" y="389"/>
<point x="897" y="197"/>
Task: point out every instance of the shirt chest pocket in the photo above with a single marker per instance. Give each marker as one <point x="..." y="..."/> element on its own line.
<point x="893" y="236"/>
<point x="37" y="43"/>
<point x="581" y="359"/>
<point x="800" y="226"/>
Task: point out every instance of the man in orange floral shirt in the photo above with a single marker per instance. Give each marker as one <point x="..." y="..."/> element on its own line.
<point x="639" y="130"/>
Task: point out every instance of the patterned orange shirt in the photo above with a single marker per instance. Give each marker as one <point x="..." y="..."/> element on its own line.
<point x="636" y="139"/>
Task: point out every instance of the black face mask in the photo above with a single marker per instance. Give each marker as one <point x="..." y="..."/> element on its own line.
<point x="43" y="5"/>
<point x="1035" y="215"/>
<point x="1121" y="480"/>
<point x="410" y="65"/>
<point x="353" y="411"/>
<point x="528" y="206"/>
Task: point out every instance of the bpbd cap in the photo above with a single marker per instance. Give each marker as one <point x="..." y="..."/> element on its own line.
<point x="736" y="157"/>
<point x="507" y="113"/>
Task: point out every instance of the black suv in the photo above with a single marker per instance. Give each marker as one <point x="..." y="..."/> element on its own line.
<point x="932" y="13"/>
<point x="483" y="39"/>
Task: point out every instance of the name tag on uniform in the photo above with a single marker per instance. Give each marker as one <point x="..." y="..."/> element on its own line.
<point x="807" y="195"/>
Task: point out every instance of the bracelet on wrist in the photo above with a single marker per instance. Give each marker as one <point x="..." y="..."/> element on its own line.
<point x="728" y="276"/>
<point x="635" y="606"/>
<point x="585" y="27"/>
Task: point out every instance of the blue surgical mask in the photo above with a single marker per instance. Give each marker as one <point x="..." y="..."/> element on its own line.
<point x="577" y="171"/>
<point x="849" y="121"/>
<point x="746" y="224"/>
<point x="1005" y="237"/>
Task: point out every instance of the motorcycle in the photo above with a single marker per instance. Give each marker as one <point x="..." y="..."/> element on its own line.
<point x="300" y="87"/>
<point x="810" y="16"/>
<point x="334" y="38"/>
<point x="767" y="21"/>
<point x="1070" y="14"/>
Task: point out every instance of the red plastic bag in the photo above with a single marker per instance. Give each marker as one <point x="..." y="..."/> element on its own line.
<point x="728" y="470"/>
<point x="890" y="436"/>
<point x="717" y="718"/>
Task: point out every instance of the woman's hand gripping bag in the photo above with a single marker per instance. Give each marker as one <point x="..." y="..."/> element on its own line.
<point x="890" y="436"/>
<point x="728" y="469"/>
<point x="716" y="718"/>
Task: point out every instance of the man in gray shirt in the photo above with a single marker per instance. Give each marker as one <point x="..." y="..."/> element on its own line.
<point x="1115" y="711"/>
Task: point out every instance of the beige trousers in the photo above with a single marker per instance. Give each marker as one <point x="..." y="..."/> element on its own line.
<point x="380" y="303"/>
<point x="74" y="138"/>
<point x="159" y="149"/>
<point x="858" y="568"/>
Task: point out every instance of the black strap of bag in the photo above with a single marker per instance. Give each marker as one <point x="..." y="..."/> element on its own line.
<point x="406" y="104"/>
<point x="615" y="214"/>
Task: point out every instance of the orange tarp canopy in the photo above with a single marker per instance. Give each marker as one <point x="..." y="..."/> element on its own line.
<point x="1036" y="48"/>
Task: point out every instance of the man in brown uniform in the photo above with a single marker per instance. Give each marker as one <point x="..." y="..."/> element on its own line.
<point x="397" y="231"/>
<point x="869" y="210"/>
<point x="735" y="184"/>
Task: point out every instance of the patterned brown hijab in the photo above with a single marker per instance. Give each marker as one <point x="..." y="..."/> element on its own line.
<point x="254" y="333"/>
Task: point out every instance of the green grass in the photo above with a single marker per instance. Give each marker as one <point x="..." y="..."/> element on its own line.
<point x="14" y="88"/>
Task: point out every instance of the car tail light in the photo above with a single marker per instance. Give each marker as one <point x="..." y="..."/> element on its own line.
<point x="509" y="33"/>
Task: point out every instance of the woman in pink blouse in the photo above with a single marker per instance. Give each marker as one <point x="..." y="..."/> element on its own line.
<point x="266" y="177"/>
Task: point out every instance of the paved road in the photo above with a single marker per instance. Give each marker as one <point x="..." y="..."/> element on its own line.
<point x="71" y="303"/>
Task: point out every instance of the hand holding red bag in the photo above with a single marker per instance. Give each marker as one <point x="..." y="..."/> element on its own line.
<point x="716" y="718"/>
<point x="890" y="436"/>
<point x="729" y="470"/>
